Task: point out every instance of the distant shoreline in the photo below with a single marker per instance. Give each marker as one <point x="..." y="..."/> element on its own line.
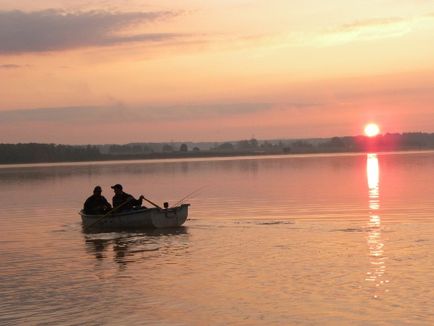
<point x="166" y="157"/>
<point x="33" y="153"/>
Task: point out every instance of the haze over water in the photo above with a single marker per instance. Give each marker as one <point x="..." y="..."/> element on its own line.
<point x="330" y="239"/>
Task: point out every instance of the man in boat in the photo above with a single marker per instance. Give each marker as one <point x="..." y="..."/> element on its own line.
<point x="125" y="200"/>
<point x="96" y="204"/>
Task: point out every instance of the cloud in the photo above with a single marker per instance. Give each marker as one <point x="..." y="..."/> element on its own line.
<point x="362" y="30"/>
<point x="344" y="106"/>
<point x="366" y="30"/>
<point x="63" y="114"/>
<point x="12" y="66"/>
<point x="54" y="30"/>
<point x="119" y="113"/>
<point x="367" y="23"/>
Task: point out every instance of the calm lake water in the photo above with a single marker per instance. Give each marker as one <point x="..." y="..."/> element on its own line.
<point x="292" y="240"/>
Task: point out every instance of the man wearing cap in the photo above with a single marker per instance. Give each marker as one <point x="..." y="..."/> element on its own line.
<point x="126" y="200"/>
<point x="96" y="204"/>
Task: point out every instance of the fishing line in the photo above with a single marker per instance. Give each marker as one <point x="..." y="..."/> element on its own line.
<point x="189" y="195"/>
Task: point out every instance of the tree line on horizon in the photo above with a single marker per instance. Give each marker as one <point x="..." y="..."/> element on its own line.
<point x="38" y="153"/>
<point x="44" y="153"/>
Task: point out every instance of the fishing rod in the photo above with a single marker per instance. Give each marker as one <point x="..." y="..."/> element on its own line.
<point x="189" y="195"/>
<point x="150" y="202"/>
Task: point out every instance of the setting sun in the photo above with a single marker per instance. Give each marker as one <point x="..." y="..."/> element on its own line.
<point x="372" y="130"/>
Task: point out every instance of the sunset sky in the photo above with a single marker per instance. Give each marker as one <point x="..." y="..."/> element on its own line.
<point x="117" y="71"/>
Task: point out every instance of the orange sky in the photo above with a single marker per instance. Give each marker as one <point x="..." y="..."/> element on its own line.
<point x="100" y="71"/>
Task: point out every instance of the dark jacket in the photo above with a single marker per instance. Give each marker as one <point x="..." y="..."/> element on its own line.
<point x="96" y="205"/>
<point x="120" y="199"/>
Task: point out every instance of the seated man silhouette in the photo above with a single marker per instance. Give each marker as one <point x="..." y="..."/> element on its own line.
<point x="123" y="200"/>
<point x="96" y="204"/>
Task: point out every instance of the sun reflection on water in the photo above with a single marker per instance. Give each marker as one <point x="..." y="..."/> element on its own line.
<point x="375" y="241"/>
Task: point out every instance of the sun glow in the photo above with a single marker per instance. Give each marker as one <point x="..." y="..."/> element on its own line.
<point x="372" y="130"/>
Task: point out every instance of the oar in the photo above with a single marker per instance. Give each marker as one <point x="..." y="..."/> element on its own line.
<point x="108" y="213"/>
<point x="150" y="202"/>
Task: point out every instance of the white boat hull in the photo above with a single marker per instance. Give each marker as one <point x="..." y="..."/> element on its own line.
<point x="138" y="218"/>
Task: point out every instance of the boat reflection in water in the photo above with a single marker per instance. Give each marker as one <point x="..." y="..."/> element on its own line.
<point x="375" y="241"/>
<point x="128" y="247"/>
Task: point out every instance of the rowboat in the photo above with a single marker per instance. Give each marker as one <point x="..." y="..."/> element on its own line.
<point x="138" y="218"/>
